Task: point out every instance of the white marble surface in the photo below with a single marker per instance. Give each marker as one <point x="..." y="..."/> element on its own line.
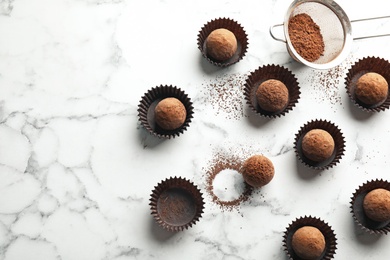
<point x="77" y="169"/>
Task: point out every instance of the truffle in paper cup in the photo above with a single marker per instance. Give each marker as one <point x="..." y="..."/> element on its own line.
<point x="357" y="210"/>
<point x="149" y="102"/>
<point x="361" y="67"/>
<point x="176" y="204"/>
<point x="339" y="144"/>
<point x="265" y="73"/>
<point x="235" y="28"/>
<point x="326" y="230"/>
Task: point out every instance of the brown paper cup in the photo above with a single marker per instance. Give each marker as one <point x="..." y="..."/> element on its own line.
<point x="338" y="138"/>
<point x="357" y="210"/>
<point x="271" y="72"/>
<point x="150" y="100"/>
<point x="235" y="28"/>
<point x="361" y="67"/>
<point x="326" y="230"/>
<point x="176" y="204"/>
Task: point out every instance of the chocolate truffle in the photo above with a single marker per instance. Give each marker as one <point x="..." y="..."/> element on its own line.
<point x="376" y="205"/>
<point x="258" y="171"/>
<point x="272" y="95"/>
<point x="371" y="89"/>
<point x="221" y="44"/>
<point x="170" y="113"/>
<point x="308" y="243"/>
<point x="317" y="145"/>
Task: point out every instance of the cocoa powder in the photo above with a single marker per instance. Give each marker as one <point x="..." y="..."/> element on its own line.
<point x="219" y="163"/>
<point x="225" y="94"/>
<point x="327" y="84"/>
<point x="306" y="38"/>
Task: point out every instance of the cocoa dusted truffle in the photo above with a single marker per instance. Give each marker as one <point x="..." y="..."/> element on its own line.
<point x="317" y="145"/>
<point x="221" y="44"/>
<point x="258" y="171"/>
<point x="371" y="89"/>
<point x="308" y="243"/>
<point x="376" y="205"/>
<point x="272" y="95"/>
<point x="170" y="113"/>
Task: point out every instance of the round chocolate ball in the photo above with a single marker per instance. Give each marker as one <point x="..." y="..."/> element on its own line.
<point x="258" y="171"/>
<point x="308" y="243"/>
<point x="170" y="113"/>
<point x="317" y="145"/>
<point x="376" y="205"/>
<point x="371" y="89"/>
<point x="221" y="44"/>
<point x="272" y="95"/>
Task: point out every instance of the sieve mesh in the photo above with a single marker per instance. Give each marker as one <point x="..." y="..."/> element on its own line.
<point x="334" y="25"/>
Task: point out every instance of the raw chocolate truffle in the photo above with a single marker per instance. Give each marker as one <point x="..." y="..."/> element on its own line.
<point x="376" y="205"/>
<point x="258" y="171"/>
<point x="317" y="145"/>
<point x="371" y="89"/>
<point x="272" y="95"/>
<point x="221" y="44"/>
<point x="170" y="113"/>
<point x="308" y="243"/>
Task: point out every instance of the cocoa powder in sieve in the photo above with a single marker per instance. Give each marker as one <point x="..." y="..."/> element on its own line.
<point x="305" y="36"/>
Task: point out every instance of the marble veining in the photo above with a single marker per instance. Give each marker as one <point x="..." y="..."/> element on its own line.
<point x="77" y="169"/>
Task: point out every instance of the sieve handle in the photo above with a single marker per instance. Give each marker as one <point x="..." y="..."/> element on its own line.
<point x="368" y="19"/>
<point x="271" y="31"/>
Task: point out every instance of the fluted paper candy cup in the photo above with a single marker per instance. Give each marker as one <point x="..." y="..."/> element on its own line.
<point x="265" y="73"/>
<point x="361" y="67"/>
<point x="235" y="28"/>
<point x="149" y="102"/>
<point x="176" y="204"/>
<point x="357" y="210"/>
<point x="326" y="230"/>
<point x="339" y="144"/>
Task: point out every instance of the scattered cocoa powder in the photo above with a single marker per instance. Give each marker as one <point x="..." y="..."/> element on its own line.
<point x="225" y="93"/>
<point x="222" y="161"/>
<point x="328" y="83"/>
<point x="305" y="36"/>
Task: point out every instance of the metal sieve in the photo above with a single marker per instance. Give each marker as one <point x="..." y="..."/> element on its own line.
<point x="335" y="28"/>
